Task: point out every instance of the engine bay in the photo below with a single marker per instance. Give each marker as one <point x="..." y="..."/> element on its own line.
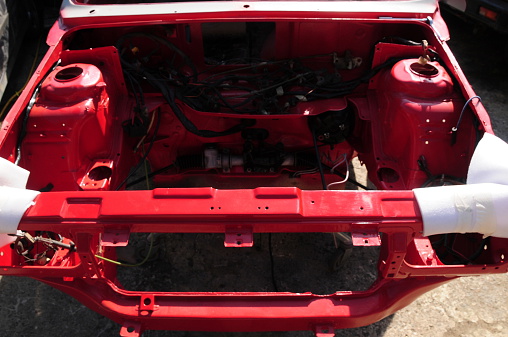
<point x="244" y="105"/>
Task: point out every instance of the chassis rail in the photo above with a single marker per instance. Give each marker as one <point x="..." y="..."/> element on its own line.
<point x="99" y="221"/>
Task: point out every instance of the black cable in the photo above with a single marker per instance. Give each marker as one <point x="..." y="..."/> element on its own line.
<point x="447" y="243"/>
<point x="162" y="41"/>
<point x="350" y="180"/>
<point x="136" y="89"/>
<point x="272" y="265"/>
<point x="400" y="40"/>
<point x="343" y="88"/>
<point x="145" y="155"/>
<point x="24" y="123"/>
<point x="150" y="175"/>
<point x="261" y="87"/>
<point x="228" y="105"/>
<point x="169" y="96"/>
<point x="480" y="249"/>
<point x="442" y="179"/>
<point x="318" y="158"/>
<point x="455" y="129"/>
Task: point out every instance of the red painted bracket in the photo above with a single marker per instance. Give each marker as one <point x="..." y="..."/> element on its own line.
<point x="238" y="237"/>
<point x="115" y="237"/>
<point x="326" y="330"/>
<point x="131" y="329"/>
<point x="366" y="239"/>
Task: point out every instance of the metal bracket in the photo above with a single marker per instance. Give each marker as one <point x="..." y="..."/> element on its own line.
<point x="366" y="239"/>
<point x="131" y="329"/>
<point x="98" y="176"/>
<point x="325" y="330"/>
<point x="147" y="305"/>
<point x="238" y="237"/>
<point x="115" y="237"/>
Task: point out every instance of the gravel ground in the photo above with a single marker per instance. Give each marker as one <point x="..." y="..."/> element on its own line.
<point x="472" y="306"/>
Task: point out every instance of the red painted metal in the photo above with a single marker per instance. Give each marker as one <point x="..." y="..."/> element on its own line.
<point x="76" y="145"/>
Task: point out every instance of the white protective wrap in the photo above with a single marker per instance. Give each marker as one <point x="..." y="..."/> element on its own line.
<point x="476" y="208"/>
<point x="14" y="198"/>
<point x="489" y="163"/>
<point x="481" y="206"/>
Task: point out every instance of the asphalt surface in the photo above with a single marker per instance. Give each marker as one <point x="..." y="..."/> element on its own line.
<point x="470" y="306"/>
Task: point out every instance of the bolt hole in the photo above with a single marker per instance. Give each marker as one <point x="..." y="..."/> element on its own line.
<point x="267" y="207"/>
<point x="246" y="6"/>
<point x="211" y="208"/>
<point x="92" y="11"/>
<point x="130" y="329"/>
<point x="238" y="242"/>
<point x="147" y="301"/>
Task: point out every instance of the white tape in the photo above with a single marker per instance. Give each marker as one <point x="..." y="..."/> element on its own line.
<point x="14" y="198"/>
<point x="481" y="206"/>
<point x="13" y="204"/>
<point x="477" y="208"/>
